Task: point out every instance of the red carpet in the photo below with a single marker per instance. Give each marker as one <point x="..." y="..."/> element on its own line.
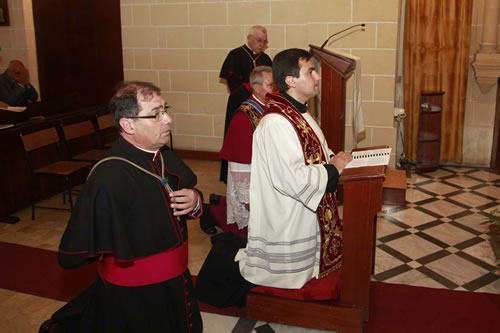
<point x="35" y="271"/>
<point x="393" y="307"/>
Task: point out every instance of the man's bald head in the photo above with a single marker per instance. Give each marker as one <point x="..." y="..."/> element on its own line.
<point x="18" y="72"/>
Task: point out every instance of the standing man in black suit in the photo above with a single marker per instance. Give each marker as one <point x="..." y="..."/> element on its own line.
<point x="236" y="70"/>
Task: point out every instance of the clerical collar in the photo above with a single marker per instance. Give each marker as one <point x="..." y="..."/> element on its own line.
<point x="258" y="100"/>
<point x="301" y="107"/>
<point x="248" y="47"/>
<point x="154" y="152"/>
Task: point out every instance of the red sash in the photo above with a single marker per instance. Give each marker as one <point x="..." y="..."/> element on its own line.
<point x="328" y="217"/>
<point x="149" y="270"/>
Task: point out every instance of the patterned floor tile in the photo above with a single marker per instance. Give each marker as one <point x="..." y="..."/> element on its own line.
<point x="459" y="169"/>
<point x="417" y="178"/>
<point x="244" y="325"/>
<point x="449" y="233"/>
<point x="484" y="175"/>
<point x="385" y="228"/>
<point x="438" y="188"/>
<point x="443" y="208"/>
<point x="463" y="181"/>
<point x="473" y="221"/>
<point x="266" y="328"/>
<point x="414" y="195"/>
<point x="413" y="246"/>
<point x="214" y="323"/>
<point x="439" y="173"/>
<point x="456" y="269"/>
<point x="278" y="328"/>
<point x="470" y="199"/>
<point x="481" y="251"/>
<point x="417" y="279"/>
<point x="412" y="217"/>
<point x="492" y="208"/>
<point x="438" y="278"/>
<point x="492" y="288"/>
<point x="491" y="191"/>
<point x="385" y="261"/>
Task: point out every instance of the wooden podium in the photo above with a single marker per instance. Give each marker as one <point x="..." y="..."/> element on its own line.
<point x="362" y="202"/>
<point x="335" y="71"/>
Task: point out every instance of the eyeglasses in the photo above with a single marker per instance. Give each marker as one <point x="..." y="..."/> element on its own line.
<point x="157" y="116"/>
<point x="260" y="40"/>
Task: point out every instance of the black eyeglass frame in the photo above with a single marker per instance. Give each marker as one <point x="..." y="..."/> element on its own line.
<point x="153" y="116"/>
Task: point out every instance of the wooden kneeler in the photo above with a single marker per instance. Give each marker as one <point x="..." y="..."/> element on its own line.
<point x="362" y="202"/>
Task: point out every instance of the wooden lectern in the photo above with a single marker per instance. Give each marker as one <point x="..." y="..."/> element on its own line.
<point x="335" y="71"/>
<point x="362" y="202"/>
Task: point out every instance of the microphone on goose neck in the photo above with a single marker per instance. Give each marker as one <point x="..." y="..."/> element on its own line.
<point x="341" y="31"/>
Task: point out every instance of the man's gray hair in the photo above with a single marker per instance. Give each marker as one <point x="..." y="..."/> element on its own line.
<point x="254" y="29"/>
<point x="256" y="75"/>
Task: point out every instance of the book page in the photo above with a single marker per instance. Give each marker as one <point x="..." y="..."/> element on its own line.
<point x="369" y="158"/>
<point x="4" y="126"/>
<point x="13" y="108"/>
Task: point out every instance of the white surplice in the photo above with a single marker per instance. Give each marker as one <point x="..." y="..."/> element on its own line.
<point x="238" y="184"/>
<point x="283" y="246"/>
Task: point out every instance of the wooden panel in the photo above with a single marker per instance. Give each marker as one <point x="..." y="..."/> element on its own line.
<point x="40" y="139"/>
<point x="333" y="108"/>
<point x="78" y="48"/>
<point x="394" y="188"/>
<point x="105" y="121"/>
<point x="335" y="70"/>
<point x="77" y="130"/>
<point x="341" y="65"/>
<point x="14" y="169"/>
<point x="362" y="201"/>
<point x="199" y="155"/>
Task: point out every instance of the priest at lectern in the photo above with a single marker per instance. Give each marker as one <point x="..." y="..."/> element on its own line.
<point x="294" y="234"/>
<point x="294" y="241"/>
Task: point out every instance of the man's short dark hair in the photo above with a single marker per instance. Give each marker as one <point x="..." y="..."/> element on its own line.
<point x="126" y="100"/>
<point x="286" y="63"/>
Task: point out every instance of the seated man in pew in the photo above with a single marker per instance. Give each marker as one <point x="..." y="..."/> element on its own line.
<point x="15" y="86"/>
<point x="294" y="233"/>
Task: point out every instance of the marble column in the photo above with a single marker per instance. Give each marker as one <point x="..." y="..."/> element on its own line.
<point x="490" y="26"/>
<point x="487" y="59"/>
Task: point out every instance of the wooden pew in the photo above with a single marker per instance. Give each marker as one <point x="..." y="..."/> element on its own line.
<point x="14" y="170"/>
<point x="362" y="202"/>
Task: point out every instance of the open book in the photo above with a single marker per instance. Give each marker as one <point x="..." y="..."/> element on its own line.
<point x="372" y="157"/>
<point x="13" y="108"/>
<point x="4" y="126"/>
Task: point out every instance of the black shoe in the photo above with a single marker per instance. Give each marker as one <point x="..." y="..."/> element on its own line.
<point x="214" y="199"/>
<point x="207" y="223"/>
<point x="47" y="326"/>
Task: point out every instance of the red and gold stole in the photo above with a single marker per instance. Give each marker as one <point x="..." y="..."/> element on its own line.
<point x="328" y="217"/>
<point x="250" y="109"/>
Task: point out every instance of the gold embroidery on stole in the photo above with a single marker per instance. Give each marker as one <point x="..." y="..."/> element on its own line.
<point x="252" y="113"/>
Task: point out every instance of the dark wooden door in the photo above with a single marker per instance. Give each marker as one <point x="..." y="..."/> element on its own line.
<point x="79" y="48"/>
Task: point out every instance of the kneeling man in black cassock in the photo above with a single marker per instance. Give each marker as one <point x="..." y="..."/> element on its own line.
<point x="131" y="218"/>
